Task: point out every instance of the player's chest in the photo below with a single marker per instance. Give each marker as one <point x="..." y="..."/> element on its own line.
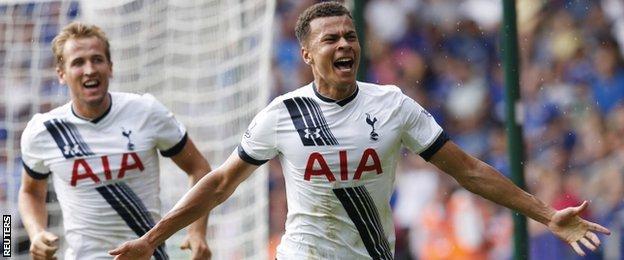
<point x="82" y="139"/>
<point x="351" y="129"/>
<point x="89" y="154"/>
<point x="100" y="169"/>
<point x="340" y="146"/>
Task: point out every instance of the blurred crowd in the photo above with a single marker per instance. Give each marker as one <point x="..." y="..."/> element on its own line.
<point x="446" y="55"/>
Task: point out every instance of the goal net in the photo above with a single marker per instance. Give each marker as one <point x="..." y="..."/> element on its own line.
<point x="206" y="60"/>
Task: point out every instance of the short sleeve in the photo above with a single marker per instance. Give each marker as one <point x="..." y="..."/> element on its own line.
<point x="421" y="133"/>
<point x="32" y="150"/>
<point x="258" y="144"/>
<point x="170" y="134"/>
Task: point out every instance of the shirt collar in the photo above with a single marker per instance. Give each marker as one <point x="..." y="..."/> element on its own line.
<point x="342" y="102"/>
<point x="99" y="118"/>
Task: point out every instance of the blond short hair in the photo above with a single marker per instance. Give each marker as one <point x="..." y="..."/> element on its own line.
<point x="77" y="30"/>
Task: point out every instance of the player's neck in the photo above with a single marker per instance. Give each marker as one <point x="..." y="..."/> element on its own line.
<point x="334" y="92"/>
<point x="91" y="111"/>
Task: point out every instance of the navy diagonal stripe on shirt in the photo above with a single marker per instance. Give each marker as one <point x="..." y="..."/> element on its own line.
<point x="121" y="209"/>
<point x="138" y="204"/>
<point x="369" y="205"/>
<point x="65" y="133"/>
<point x="138" y="209"/>
<point x="81" y="143"/>
<point x="130" y="213"/>
<point x="309" y="121"/>
<point x="309" y="103"/>
<point x="305" y="111"/>
<point x="66" y="126"/>
<point x="297" y="120"/>
<point x="363" y="225"/>
<point x="135" y="200"/>
<point x="368" y="217"/>
<point x="67" y="138"/>
<point x="58" y="138"/>
<point x="318" y="114"/>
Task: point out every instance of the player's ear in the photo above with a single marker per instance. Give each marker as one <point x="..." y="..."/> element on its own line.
<point x="307" y="57"/>
<point x="60" y="73"/>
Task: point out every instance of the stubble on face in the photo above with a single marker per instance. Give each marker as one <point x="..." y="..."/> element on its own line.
<point x="86" y="71"/>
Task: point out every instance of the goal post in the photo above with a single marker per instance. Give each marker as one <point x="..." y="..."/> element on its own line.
<point x="208" y="61"/>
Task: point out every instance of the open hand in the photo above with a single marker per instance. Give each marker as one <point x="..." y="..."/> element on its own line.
<point x="567" y="225"/>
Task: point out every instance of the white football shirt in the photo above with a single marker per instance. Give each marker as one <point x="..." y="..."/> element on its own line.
<point x="105" y="171"/>
<point x="339" y="160"/>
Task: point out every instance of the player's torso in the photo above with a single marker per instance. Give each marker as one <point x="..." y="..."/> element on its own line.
<point x="105" y="173"/>
<point x="339" y="165"/>
<point x="89" y="155"/>
<point x="83" y="154"/>
<point x="332" y="146"/>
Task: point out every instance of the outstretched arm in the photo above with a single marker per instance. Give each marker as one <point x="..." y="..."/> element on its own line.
<point x="210" y="191"/>
<point x="480" y="178"/>
<point x="191" y="161"/>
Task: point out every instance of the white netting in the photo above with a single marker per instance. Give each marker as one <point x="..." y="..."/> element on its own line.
<point x="207" y="60"/>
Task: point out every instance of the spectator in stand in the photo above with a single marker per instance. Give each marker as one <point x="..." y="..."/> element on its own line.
<point x="608" y="84"/>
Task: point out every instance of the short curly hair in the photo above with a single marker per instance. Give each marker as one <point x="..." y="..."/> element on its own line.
<point x="324" y="9"/>
<point x="77" y="30"/>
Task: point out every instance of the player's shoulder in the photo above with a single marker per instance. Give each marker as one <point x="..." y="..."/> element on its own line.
<point x="132" y="99"/>
<point x="378" y="89"/>
<point x="132" y="103"/>
<point x="36" y="129"/>
<point x="36" y="125"/>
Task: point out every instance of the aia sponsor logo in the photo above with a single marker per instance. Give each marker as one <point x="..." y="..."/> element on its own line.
<point x="83" y="170"/>
<point x="317" y="166"/>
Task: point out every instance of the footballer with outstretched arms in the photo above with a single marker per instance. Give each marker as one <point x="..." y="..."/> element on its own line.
<point x="338" y="141"/>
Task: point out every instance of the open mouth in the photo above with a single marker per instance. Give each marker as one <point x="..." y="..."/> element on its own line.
<point x="91" y="83"/>
<point x="344" y="64"/>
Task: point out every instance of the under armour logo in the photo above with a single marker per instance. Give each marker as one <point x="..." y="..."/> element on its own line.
<point x="71" y="150"/>
<point x="127" y="135"/>
<point x="373" y="136"/>
<point x="247" y="133"/>
<point x="312" y="133"/>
